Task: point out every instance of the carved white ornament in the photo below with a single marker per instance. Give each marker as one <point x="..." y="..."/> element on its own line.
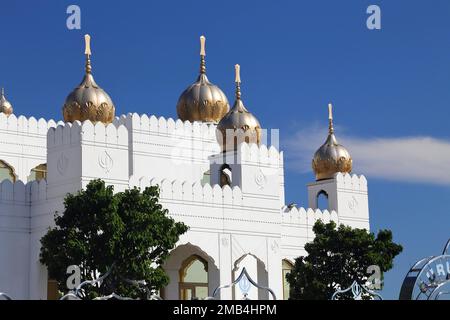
<point x="225" y="242"/>
<point x="274" y="246"/>
<point x="353" y="204"/>
<point x="62" y="164"/>
<point x="105" y="161"/>
<point x="260" y="179"/>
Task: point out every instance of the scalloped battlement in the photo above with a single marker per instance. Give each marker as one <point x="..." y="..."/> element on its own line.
<point x="302" y="216"/>
<point x="169" y="126"/>
<point x="191" y="191"/>
<point x="25" y="125"/>
<point x="252" y="153"/>
<point x="69" y="133"/>
<point x="351" y="181"/>
<point x="23" y="193"/>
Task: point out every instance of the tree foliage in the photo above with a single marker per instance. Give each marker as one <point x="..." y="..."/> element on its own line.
<point x="99" y="229"/>
<point x="337" y="257"/>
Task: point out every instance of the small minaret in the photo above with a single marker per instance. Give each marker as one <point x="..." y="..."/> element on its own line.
<point x="345" y="193"/>
<point x="243" y="162"/>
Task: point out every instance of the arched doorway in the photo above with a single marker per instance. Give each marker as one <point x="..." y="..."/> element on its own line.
<point x="286" y="268"/>
<point x="257" y="271"/>
<point x="193" y="278"/>
<point x="189" y="265"/>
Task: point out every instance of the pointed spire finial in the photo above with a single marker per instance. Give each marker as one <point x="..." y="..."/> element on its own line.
<point x="87" y="52"/>
<point x="202" y="46"/>
<point x="202" y="55"/>
<point x="237" y="80"/>
<point x="330" y="118"/>
<point x="3" y="92"/>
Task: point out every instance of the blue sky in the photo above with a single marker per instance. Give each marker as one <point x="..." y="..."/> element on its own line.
<point x="390" y="87"/>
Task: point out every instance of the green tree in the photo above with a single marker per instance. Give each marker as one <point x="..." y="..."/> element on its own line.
<point x="337" y="257"/>
<point x="99" y="229"/>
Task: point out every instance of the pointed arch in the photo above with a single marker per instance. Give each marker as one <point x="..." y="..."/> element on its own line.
<point x="286" y="268"/>
<point x="38" y="173"/>
<point x="7" y="172"/>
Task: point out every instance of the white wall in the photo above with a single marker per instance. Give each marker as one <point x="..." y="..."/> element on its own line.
<point x="23" y="143"/>
<point x="227" y="224"/>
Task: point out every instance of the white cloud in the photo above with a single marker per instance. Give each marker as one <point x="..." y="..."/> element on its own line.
<point x="411" y="159"/>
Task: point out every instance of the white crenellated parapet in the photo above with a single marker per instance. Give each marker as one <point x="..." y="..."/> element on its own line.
<point x="347" y="194"/>
<point x="23" y="143"/>
<point x="191" y="192"/>
<point x="23" y="124"/>
<point x="81" y="152"/>
<point x="176" y="149"/>
<point x="307" y="217"/>
<point x="169" y="126"/>
<point x="13" y="193"/>
<point x="296" y="228"/>
<point x="351" y="182"/>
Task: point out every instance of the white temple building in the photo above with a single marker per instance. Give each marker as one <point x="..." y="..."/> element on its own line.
<point x="229" y="191"/>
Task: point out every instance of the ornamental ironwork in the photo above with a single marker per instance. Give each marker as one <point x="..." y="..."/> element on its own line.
<point x="428" y="278"/>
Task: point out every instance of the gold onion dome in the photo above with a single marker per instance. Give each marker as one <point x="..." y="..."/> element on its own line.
<point x="331" y="156"/>
<point x="238" y="125"/>
<point x="5" y="105"/>
<point x="88" y="101"/>
<point x="202" y="100"/>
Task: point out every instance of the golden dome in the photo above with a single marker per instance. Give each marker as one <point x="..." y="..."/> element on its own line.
<point x="5" y="105"/>
<point x="238" y="125"/>
<point x="202" y="100"/>
<point x="331" y="156"/>
<point x="88" y="101"/>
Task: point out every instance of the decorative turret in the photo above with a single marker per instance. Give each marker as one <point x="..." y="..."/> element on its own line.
<point x="88" y="101"/>
<point x="331" y="157"/>
<point x="202" y="100"/>
<point x="238" y="125"/>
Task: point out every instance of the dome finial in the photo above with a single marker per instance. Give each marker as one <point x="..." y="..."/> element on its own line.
<point x="202" y="101"/>
<point x="87" y="52"/>
<point x="88" y="101"/>
<point x="238" y="81"/>
<point x="238" y="125"/>
<point x="202" y="55"/>
<point x="331" y="157"/>
<point x="5" y="105"/>
<point x="330" y="118"/>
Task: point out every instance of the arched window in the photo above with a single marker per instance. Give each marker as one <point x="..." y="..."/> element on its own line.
<point x="6" y="172"/>
<point x="322" y="200"/>
<point x="194" y="278"/>
<point x="38" y="173"/>
<point x="225" y="175"/>
<point x="286" y="269"/>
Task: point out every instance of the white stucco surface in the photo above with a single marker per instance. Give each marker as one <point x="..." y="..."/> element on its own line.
<point x="244" y="224"/>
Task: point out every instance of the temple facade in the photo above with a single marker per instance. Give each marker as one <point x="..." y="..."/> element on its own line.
<point x="215" y="173"/>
